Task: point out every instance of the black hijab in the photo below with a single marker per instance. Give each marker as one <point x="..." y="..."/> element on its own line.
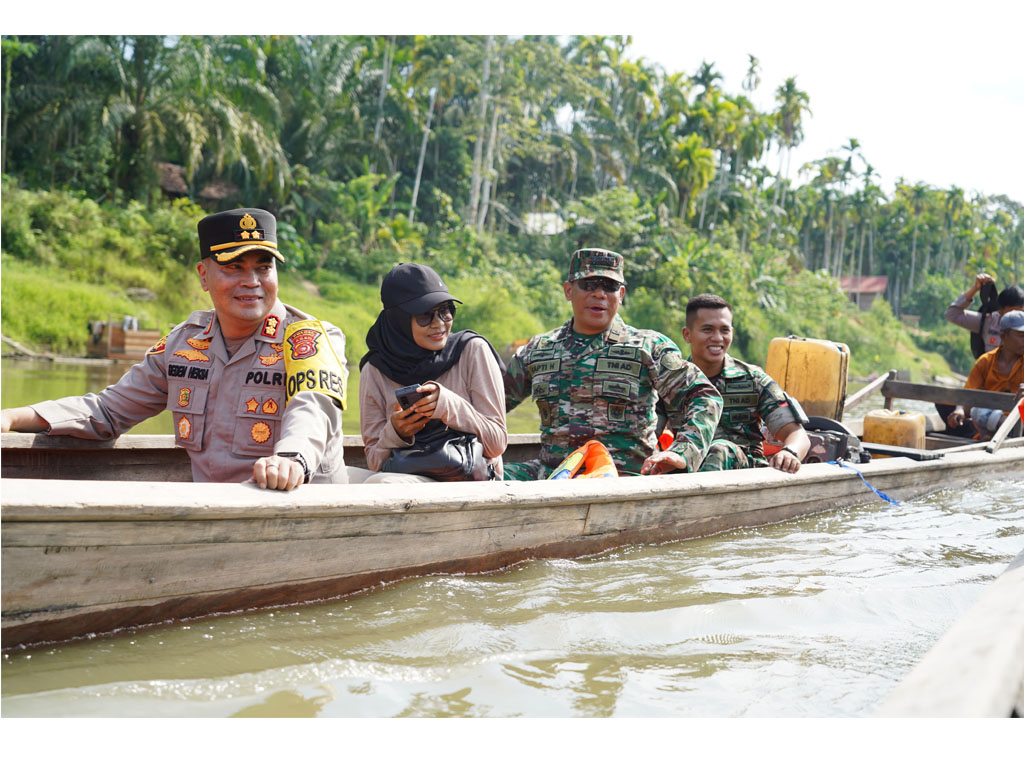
<point x="393" y="351"/>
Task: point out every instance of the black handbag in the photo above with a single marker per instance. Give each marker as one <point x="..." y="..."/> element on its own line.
<point x="443" y="454"/>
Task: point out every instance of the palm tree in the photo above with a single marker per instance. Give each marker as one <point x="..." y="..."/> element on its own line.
<point x="792" y="104"/>
<point x="694" y="167"/>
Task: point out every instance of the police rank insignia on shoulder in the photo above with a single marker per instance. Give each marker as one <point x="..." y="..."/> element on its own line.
<point x="159" y="347"/>
<point x="310" y="363"/>
<point x="270" y="326"/>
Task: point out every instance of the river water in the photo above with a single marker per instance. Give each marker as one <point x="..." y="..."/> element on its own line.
<point x="820" y="616"/>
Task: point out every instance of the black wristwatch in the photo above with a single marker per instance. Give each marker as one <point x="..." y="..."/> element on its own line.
<point x="783" y="448"/>
<point x="306" y="474"/>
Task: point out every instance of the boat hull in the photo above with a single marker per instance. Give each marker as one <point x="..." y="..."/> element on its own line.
<point x="83" y="557"/>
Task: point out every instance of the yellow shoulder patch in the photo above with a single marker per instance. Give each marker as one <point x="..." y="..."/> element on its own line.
<point x="310" y="363"/>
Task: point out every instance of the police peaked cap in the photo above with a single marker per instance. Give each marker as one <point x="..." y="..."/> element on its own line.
<point x="227" y="235"/>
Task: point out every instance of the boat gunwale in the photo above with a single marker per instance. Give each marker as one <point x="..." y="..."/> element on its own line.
<point x="32" y="500"/>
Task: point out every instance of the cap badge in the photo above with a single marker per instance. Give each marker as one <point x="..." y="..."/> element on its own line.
<point x="247" y="222"/>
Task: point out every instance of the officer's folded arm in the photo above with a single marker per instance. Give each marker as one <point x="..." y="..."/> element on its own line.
<point x="23" y="419"/>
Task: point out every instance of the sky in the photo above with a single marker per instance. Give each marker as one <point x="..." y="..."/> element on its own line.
<point x="933" y="91"/>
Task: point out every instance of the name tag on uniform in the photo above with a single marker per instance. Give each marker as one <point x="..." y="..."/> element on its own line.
<point x="739" y="386"/>
<point x="740" y="401"/>
<point x="624" y="367"/>
<point x="540" y="367"/>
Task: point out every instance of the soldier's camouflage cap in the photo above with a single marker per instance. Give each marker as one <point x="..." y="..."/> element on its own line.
<point x="227" y="235"/>
<point x="595" y="262"/>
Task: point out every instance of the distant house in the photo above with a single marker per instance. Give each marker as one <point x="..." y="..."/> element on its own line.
<point x="862" y="291"/>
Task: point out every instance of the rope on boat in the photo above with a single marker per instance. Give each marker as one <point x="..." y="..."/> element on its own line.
<point x="841" y="463"/>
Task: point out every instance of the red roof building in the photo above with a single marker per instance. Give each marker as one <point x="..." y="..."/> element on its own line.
<point x="862" y="291"/>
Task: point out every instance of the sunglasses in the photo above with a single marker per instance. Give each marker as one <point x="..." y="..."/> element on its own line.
<point x="446" y="312"/>
<point x="591" y="284"/>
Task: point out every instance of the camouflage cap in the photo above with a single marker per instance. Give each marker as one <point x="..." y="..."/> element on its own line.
<point x="595" y="262"/>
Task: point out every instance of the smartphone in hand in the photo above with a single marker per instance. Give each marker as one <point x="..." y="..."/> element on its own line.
<point x="408" y="396"/>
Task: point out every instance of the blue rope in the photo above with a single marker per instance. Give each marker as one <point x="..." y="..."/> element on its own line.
<point x="841" y="463"/>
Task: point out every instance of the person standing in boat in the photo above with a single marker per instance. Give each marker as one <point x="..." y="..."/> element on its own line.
<point x="985" y="323"/>
<point x="458" y="375"/>
<point x="256" y="387"/>
<point x="596" y="378"/>
<point x="1000" y="370"/>
<point x="751" y="397"/>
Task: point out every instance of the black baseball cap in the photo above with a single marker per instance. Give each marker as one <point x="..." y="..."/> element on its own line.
<point x="227" y="235"/>
<point x="414" y="288"/>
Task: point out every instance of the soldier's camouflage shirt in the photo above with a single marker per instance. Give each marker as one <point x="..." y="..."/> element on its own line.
<point x="605" y="387"/>
<point x="749" y="397"/>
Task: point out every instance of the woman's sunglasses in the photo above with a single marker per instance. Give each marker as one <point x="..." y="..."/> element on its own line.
<point x="591" y="284"/>
<point x="446" y="312"/>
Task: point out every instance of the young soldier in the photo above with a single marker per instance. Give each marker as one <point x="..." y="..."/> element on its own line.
<point x="596" y="378"/>
<point x="750" y="395"/>
<point x="226" y="374"/>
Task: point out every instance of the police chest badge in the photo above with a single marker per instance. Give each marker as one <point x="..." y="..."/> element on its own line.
<point x="310" y="362"/>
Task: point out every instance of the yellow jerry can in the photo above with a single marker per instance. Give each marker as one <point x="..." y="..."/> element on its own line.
<point x="900" y="428"/>
<point x="811" y="370"/>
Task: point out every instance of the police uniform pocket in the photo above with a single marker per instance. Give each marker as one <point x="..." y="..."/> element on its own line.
<point x="187" y="403"/>
<point x="257" y="422"/>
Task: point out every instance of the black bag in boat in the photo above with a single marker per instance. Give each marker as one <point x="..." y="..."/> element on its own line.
<point x="441" y="454"/>
<point x="831" y="440"/>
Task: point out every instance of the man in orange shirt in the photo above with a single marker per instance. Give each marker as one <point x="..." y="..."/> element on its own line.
<point x="1001" y="370"/>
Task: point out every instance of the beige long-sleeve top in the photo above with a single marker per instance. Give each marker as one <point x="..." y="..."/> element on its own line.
<point x="471" y="399"/>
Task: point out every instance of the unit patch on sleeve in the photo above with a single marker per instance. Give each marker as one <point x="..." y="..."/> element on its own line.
<point x="157" y="348"/>
<point x="270" y="407"/>
<point x="184" y="395"/>
<point x="252" y="405"/>
<point x="310" y="362"/>
<point x="184" y="428"/>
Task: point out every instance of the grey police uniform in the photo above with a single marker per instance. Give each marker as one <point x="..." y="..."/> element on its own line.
<point x="228" y="410"/>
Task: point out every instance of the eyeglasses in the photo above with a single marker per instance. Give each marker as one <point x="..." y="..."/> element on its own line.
<point x="446" y="312"/>
<point x="591" y="284"/>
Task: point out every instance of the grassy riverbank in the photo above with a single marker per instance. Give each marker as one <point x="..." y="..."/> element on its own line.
<point x="67" y="260"/>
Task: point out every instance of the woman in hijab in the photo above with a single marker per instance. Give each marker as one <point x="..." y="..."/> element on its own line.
<point x="459" y="374"/>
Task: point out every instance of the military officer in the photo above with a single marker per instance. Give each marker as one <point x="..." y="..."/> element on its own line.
<point x="598" y="378"/>
<point x="256" y="387"/>
<point x="750" y="395"/>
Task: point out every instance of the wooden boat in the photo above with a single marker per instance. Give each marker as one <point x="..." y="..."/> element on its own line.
<point x="99" y="536"/>
<point x="112" y="340"/>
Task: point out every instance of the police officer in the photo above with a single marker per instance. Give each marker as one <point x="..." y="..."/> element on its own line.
<point x="256" y="387"/>
<point x="596" y="378"/>
<point x="751" y="397"/>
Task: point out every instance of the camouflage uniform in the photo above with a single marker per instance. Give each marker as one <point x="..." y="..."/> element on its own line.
<point x="605" y="387"/>
<point x="750" y="396"/>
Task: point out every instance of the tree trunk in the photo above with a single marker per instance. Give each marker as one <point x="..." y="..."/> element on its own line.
<point x="489" y="175"/>
<point x="913" y="256"/>
<point x="478" y="147"/>
<point x="388" y="54"/>
<point x="423" y="152"/>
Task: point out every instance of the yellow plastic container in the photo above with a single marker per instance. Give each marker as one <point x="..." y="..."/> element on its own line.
<point x="813" y="371"/>
<point x="900" y="428"/>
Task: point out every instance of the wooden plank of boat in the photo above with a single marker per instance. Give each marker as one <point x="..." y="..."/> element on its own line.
<point x="976" y="669"/>
<point x="81" y="557"/>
